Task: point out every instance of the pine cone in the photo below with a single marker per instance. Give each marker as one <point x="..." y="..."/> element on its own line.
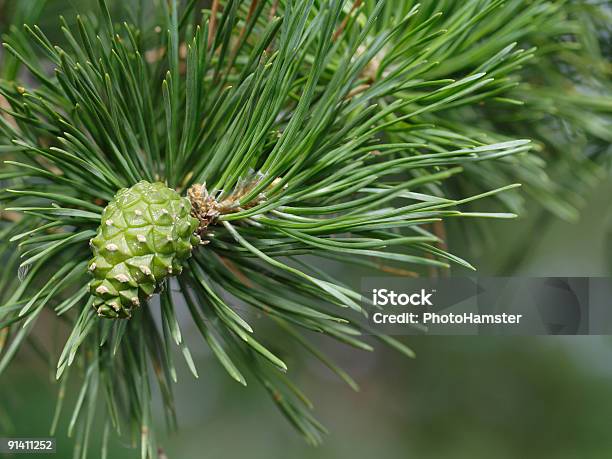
<point x="145" y="234"/>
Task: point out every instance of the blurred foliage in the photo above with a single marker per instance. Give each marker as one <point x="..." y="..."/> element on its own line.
<point x="465" y="397"/>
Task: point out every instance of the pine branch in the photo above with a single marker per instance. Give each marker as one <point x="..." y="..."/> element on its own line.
<point x="339" y="130"/>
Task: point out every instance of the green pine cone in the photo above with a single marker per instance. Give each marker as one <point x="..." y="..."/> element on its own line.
<point x="145" y="234"/>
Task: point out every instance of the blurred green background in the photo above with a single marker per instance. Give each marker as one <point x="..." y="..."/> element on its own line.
<point x="462" y="397"/>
